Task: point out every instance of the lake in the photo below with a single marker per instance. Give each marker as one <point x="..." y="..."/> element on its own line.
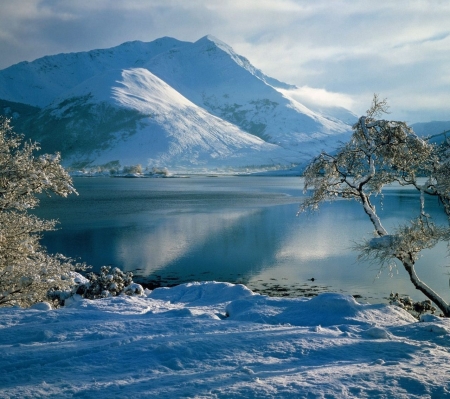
<point x="239" y="229"/>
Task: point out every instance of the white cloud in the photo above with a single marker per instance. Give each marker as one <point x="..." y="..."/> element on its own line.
<point x="319" y="97"/>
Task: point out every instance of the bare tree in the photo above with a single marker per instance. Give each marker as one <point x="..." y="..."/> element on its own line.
<point x="379" y="153"/>
<point x="27" y="271"/>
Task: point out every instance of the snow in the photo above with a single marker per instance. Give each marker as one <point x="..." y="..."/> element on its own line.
<point x="191" y="107"/>
<point x="37" y="83"/>
<point x="173" y="132"/>
<point x="219" y="340"/>
<point x="214" y="77"/>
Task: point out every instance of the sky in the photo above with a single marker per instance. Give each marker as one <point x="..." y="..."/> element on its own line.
<point x="337" y="52"/>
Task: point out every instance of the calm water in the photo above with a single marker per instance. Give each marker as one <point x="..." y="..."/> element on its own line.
<point x="235" y="229"/>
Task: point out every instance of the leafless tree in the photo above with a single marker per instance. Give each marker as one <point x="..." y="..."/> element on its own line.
<point x="379" y="153"/>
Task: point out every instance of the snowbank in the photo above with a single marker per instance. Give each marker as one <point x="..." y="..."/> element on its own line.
<point x="218" y="340"/>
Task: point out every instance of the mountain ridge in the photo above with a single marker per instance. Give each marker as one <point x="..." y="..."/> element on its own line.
<point x="71" y="103"/>
<point x="77" y="67"/>
<point x="152" y="121"/>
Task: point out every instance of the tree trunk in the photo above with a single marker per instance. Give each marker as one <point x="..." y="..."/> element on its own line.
<point x="370" y="211"/>
<point x="408" y="264"/>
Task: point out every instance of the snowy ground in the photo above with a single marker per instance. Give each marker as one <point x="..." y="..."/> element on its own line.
<point x="218" y="340"/>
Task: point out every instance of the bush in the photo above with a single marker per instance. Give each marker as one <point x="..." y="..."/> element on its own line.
<point x="133" y="169"/>
<point x="160" y="171"/>
<point x="105" y="284"/>
<point x="417" y="308"/>
<point x="27" y="271"/>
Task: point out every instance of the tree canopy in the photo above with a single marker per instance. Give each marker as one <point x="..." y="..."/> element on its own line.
<point x="27" y="271"/>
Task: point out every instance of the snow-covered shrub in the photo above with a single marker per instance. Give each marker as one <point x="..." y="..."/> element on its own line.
<point x="27" y="271"/>
<point x="102" y="285"/>
<point x="416" y="308"/>
<point x="160" y="171"/>
<point x="133" y="169"/>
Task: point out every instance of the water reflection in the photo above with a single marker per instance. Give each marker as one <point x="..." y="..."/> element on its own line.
<point x="186" y="238"/>
<point x="231" y="229"/>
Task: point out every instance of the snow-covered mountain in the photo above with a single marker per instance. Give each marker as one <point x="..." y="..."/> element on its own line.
<point x="185" y="106"/>
<point x="214" y="77"/>
<point x="132" y="116"/>
<point x="436" y="131"/>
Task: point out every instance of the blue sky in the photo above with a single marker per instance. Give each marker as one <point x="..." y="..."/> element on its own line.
<point x="338" y="52"/>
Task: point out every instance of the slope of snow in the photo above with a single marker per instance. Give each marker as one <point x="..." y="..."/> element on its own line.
<point x="37" y="83"/>
<point x="332" y="112"/>
<point x="170" y="131"/>
<point x="218" y="340"/>
<point x="214" y="77"/>
<point x="211" y="42"/>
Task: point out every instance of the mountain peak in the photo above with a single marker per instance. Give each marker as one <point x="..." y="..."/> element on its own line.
<point x="210" y="43"/>
<point x="210" y="39"/>
<point x="39" y="82"/>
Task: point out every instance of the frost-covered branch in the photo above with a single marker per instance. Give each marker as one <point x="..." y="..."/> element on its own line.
<point x="27" y="272"/>
<point x="379" y="153"/>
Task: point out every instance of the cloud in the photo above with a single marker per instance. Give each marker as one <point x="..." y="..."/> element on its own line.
<point x="319" y="98"/>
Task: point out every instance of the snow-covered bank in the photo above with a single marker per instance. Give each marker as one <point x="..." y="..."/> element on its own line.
<point x="218" y="340"/>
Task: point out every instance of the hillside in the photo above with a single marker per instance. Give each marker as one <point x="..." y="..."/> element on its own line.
<point x="133" y="117"/>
